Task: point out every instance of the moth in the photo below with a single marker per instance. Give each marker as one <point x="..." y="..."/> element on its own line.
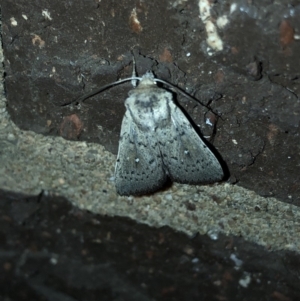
<point x="157" y="142"/>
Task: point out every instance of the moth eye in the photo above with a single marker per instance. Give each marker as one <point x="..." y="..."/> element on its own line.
<point x="137" y="160"/>
<point x="186" y="152"/>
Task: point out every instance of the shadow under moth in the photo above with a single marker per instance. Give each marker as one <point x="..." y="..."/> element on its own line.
<point x="158" y="142"/>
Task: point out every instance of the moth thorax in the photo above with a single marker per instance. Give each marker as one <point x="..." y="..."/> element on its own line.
<point x="146" y="83"/>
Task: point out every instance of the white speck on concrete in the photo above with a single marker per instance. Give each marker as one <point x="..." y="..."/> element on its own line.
<point x="246" y="280"/>
<point x="13" y="21"/>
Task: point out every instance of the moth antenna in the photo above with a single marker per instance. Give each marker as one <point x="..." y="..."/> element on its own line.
<point x="133" y="81"/>
<point x="99" y="90"/>
<point x="180" y="91"/>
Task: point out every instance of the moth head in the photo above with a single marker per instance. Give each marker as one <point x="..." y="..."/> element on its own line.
<point x="147" y="79"/>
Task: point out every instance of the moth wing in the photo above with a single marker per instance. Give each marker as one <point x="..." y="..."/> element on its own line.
<point x="187" y="158"/>
<point x="139" y="167"/>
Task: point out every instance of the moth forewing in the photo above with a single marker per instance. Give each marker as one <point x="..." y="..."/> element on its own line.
<point x="138" y="169"/>
<point x="187" y="158"/>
